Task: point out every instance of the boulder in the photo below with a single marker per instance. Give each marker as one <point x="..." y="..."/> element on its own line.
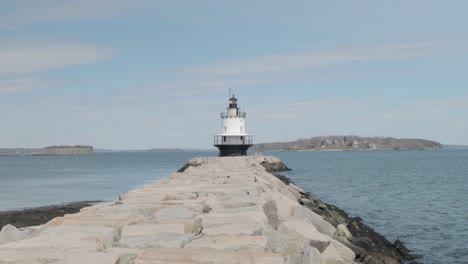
<point x="332" y="256"/>
<point x="302" y="213"/>
<point x="310" y="255"/>
<point x="104" y="235"/>
<point x="342" y="231"/>
<point x="302" y="230"/>
<point x="345" y="252"/>
<point x="10" y="233"/>
<point x="110" y="216"/>
<point x="283" y="244"/>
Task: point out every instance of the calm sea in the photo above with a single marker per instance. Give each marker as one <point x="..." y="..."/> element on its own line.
<point x="420" y="197"/>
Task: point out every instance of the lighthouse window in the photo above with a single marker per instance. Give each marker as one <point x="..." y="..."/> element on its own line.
<point x="224" y="139"/>
<point x="242" y="138"/>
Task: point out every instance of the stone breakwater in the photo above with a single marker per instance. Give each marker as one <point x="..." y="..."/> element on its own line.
<point x="215" y="210"/>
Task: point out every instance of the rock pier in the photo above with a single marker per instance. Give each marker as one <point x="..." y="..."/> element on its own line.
<point x="214" y="210"/>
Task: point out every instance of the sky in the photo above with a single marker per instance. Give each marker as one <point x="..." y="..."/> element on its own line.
<point x="136" y="74"/>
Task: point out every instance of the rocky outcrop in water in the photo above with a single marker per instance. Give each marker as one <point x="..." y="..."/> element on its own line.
<point x="350" y="143"/>
<point x="218" y="210"/>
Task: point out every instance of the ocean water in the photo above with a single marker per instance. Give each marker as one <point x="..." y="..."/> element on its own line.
<point x="30" y="181"/>
<point x="419" y="197"/>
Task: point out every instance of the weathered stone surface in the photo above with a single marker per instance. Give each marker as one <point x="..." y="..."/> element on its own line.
<point x="302" y="230"/>
<point x="271" y="212"/>
<point x="234" y="243"/>
<point x="193" y="226"/>
<point x="241" y="217"/>
<point x="342" y="231"/>
<point x="104" y="235"/>
<point x="174" y="213"/>
<point x="288" y="246"/>
<point x="41" y="256"/>
<point x="345" y="253"/>
<point x="272" y="164"/>
<point x="320" y="224"/>
<point x="160" y="240"/>
<point x="233" y="229"/>
<point x="284" y="205"/>
<point x="10" y="233"/>
<point x="334" y="253"/>
<point x="126" y="255"/>
<point x="151" y="229"/>
<point x="332" y="256"/>
<point x="310" y="255"/>
<point x="111" y="216"/>
<point x="50" y="249"/>
<point x="203" y="256"/>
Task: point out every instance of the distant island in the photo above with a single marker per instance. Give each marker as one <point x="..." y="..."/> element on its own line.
<point x="68" y="150"/>
<point x="50" y="150"/>
<point x="329" y="143"/>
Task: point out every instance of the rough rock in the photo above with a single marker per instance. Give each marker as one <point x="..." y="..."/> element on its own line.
<point x="10" y="233"/>
<point x="342" y="231"/>
<point x="105" y="235"/>
<point x="151" y="229"/>
<point x="310" y="255"/>
<point x="160" y="240"/>
<point x="203" y="256"/>
<point x="233" y="243"/>
<point x="172" y="214"/>
<point x="271" y="212"/>
<point x="218" y="210"/>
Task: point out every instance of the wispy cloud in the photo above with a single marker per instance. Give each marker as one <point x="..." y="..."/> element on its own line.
<point x="23" y="59"/>
<point x="211" y="86"/>
<point x="13" y="86"/>
<point x="303" y="109"/>
<point x="32" y="12"/>
<point x="290" y="62"/>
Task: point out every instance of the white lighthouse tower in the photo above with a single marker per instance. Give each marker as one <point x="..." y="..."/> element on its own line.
<point x="233" y="141"/>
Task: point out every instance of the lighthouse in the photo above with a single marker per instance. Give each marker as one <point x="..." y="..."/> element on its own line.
<point x="233" y="141"/>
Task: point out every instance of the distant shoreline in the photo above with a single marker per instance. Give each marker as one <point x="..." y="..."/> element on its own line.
<point x="349" y="143"/>
<point x="350" y="150"/>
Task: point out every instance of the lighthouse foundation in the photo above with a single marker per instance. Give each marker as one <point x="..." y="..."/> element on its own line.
<point x="233" y="145"/>
<point x="233" y="150"/>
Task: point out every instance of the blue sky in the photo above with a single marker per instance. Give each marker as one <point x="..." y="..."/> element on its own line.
<point x="122" y="74"/>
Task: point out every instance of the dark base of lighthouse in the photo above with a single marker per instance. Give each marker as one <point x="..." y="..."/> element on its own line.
<point x="232" y="150"/>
